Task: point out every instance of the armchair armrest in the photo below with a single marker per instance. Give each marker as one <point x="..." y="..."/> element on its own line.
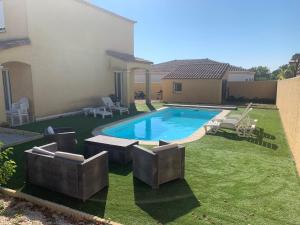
<point x="101" y="154"/>
<point x="93" y="175"/>
<point x="143" y="150"/>
<point x="145" y="163"/>
<point x="161" y="143"/>
<point x="52" y="147"/>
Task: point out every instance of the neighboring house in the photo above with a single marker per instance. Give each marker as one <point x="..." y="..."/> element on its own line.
<point x="64" y="55"/>
<point x="296" y="62"/>
<point x="202" y="81"/>
<point x="159" y="71"/>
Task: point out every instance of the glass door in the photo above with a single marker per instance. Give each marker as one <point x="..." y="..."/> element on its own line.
<point x="119" y="85"/>
<point x="7" y="89"/>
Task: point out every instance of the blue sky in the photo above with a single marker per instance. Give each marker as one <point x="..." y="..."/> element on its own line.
<point x="241" y="32"/>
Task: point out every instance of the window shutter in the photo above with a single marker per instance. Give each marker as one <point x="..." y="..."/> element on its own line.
<point x="2" y="22"/>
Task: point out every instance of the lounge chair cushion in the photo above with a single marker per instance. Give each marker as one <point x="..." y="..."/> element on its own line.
<point x="50" y="130"/>
<point x="70" y="156"/>
<point x="42" y="151"/>
<point x="164" y="147"/>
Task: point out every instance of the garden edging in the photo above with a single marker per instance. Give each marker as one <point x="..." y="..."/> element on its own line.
<point x="55" y="207"/>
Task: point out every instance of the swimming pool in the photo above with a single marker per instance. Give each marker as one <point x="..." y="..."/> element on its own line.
<point x="167" y="124"/>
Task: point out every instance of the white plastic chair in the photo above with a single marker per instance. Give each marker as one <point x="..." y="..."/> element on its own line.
<point x="13" y="114"/>
<point x="23" y="112"/>
<point x="18" y="112"/>
<point x="102" y="111"/>
<point x="25" y="101"/>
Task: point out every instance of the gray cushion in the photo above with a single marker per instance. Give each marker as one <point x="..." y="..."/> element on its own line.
<point x="70" y="156"/>
<point x="39" y="150"/>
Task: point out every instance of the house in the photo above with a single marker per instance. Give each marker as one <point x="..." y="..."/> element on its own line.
<point x="202" y="81"/>
<point x="295" y="61"/>
<point x="159" y="71"/>
<point x="64" y="60"/>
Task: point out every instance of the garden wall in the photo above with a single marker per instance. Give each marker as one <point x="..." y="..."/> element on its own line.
<point x="288" y="103"/>
<point x="253" y="90"/>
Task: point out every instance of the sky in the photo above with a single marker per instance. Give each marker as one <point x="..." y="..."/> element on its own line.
<point x="244" y="33"/>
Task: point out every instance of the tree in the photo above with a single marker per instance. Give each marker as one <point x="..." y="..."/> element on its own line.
<point x="261" y="73"/>
<point x="7" y="166"/>
<point x="284" y="72"/>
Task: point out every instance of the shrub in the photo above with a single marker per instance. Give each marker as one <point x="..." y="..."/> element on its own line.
<point x="7" y="166"/>
<point x="234" y="99"/>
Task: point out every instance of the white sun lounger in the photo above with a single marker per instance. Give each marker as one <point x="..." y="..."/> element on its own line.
<point x="237" y="116"/>
<point x="113" y="107"/>
<point x="244" y="126"/>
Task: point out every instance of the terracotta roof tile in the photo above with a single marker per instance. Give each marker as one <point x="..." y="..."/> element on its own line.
<point x="199" y="71"/>
<point x="172" y="65"/>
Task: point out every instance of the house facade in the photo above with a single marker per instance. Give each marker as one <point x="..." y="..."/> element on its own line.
<point x="202" y="81"/>
<point x="159" y="71"/>
<point x="63" y="60"/>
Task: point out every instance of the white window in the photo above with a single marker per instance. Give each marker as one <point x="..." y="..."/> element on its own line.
<point x="177" y="87"/>
<point x="2" y="22"/>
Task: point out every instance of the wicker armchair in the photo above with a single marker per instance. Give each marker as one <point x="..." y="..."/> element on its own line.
<point x="64" y="137"/>
<point x="76" y="179"/>
<point x="160" y="165"/>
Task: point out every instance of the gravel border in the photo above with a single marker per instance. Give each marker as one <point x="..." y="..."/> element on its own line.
<point x="53" y="208"/>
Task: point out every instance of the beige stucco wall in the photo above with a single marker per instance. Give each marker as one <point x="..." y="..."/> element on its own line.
<point x="69" y="63"/>
<point x="15" y="15"/>
<point x="253" y="89"/>
<point x="67" y="55"/>
<point x="155" y="87"/>
<point x="19" y="54"/>
<point x="16" y="27"/>
<point x="288" y="102"/>
<point x="194" y="91"/>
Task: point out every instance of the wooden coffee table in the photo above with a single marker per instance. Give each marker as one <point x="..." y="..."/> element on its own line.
<point x="119" y="150"/>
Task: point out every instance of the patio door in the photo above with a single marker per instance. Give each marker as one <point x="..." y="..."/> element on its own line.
<point x="7" y="89"/>
<point x="119" y="85"/>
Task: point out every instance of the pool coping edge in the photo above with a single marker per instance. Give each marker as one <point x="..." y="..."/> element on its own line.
<point x="195" y="136"/>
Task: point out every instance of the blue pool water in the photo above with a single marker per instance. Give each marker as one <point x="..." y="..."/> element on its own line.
<point x="167" y="124"/>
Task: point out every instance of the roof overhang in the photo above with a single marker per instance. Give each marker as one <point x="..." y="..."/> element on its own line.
<point x="125" y="61"/>
<point x="14" y="43"/>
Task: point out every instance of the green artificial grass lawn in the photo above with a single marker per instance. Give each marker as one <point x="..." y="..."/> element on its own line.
<point x="228" y="180"/>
